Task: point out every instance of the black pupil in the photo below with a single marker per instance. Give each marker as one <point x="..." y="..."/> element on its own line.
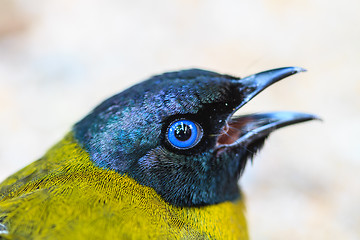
<point x="182" y="132"/>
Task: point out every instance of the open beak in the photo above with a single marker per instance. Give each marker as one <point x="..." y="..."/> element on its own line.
<point x="244" y="130"/>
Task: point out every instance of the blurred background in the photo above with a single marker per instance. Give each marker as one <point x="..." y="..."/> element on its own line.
<point x="59" y="59"/>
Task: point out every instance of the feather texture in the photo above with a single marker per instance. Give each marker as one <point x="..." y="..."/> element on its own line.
<point x="65" y="196"/>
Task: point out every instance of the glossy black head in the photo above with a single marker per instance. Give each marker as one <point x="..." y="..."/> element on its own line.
<point x="174" y="133"/>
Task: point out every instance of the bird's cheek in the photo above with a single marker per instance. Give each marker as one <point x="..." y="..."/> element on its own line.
<point x="233" y="160"/>
<point x="153" y="159"/>
<point x="147" y="161"/>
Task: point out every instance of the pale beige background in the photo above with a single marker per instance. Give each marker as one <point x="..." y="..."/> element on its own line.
<point x="58" y="59"/>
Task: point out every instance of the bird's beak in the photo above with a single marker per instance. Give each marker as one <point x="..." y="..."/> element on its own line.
<point x="243" y="130"/>
<point x="250" y="86"/>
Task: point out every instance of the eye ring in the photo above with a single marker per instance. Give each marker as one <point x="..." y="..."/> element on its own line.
<point x="184" y="134"/>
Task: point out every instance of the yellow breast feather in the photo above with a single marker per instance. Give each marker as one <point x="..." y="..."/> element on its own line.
<point x="64" y="196"/>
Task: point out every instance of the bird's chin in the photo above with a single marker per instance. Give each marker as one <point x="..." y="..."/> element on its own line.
<point x="246" y="130"/>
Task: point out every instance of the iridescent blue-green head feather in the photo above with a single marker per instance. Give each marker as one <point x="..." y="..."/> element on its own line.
<point x="176" y="133"/>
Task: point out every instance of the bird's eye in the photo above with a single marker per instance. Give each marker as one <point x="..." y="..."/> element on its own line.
<point x="184" y="134"/>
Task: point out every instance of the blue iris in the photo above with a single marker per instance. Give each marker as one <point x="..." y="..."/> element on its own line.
<point x="184" y="134"/>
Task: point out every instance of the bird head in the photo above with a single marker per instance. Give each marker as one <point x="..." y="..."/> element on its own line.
<point x="176" y="133"/>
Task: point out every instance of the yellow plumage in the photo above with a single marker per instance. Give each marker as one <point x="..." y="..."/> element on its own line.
<point x="172" y="155"/>
<point x="65" y="196"/>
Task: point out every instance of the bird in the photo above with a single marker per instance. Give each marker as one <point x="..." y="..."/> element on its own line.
<point x="159" y="160"/>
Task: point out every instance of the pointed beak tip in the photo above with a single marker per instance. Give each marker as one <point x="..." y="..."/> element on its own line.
<point x="317" y="118"/>
<point x="299" y="69"/>
<point x="304" y="117"/>
<point x="301" y="115"/>
<point x="287" y="71"/>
